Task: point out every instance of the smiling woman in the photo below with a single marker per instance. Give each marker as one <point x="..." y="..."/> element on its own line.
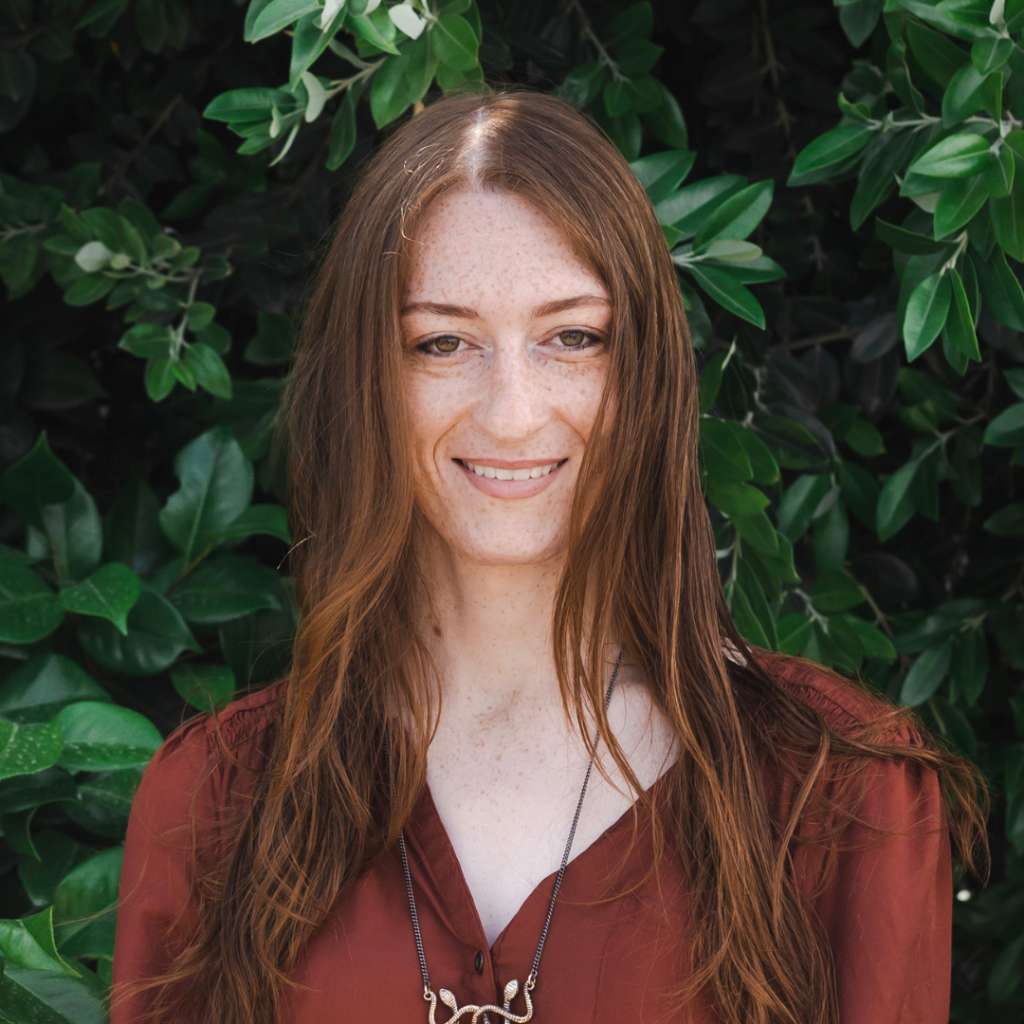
<point x="507" y="579"/>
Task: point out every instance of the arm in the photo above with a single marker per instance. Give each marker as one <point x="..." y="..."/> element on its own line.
<point x="887" y="913"/>
<point x="156" y="902"/>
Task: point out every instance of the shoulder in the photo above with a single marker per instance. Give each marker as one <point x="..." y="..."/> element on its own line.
<point x="207" y="765"/>
<point x="846" y="706"/>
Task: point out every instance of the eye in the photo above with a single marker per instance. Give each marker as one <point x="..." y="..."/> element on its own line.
<point x="446" y="344"/>
<point x="577" y="339"/>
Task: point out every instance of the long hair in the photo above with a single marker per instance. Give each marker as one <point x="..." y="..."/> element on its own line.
<point x="639" y="568"/>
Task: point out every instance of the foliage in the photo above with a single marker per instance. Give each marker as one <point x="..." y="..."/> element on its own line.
<point x="854" y="289"/>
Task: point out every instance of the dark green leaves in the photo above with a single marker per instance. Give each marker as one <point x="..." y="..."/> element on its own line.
<point x="957" y="156"/>
<point x="29" y="609"/>
<point x="216" y="487"/>
<point x="103" y="737"/>
<point x="926" y="313"/>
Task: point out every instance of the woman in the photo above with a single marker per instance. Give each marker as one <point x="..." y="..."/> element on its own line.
<point x="505" y="570"/>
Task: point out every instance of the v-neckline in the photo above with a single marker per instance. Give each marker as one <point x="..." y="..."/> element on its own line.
<point x="430" y="832"/>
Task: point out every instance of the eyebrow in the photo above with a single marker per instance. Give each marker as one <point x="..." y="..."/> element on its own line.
<point x="466" y="313"/>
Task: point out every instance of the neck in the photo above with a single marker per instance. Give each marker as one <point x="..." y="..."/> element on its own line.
<point x="490" y="629"/>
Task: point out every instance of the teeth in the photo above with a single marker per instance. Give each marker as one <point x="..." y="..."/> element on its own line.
<point x="493" y="473"/>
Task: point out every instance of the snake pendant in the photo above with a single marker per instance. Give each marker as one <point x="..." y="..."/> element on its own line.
<point x="479" y="1014"/>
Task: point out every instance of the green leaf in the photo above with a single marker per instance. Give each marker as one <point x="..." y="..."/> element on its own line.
<point x="956" y="156"/>
<point x="762" y="462"/>
<point x="883" y="160"/>
<point x="666" y="122"/>
<point x="25" y="749"/>
<point x="926" y="674"/>
<point x="375" y="28"/>
<point x="29" y="609"/>
<point x="225" y="588"/>
<point x="939" y="57"/>
<point x="1007" y="429"/>
<point x="836" y="591"/>
<point x="1001" y="290"/>
<point x="1008" y="220"/>
<point x="109" y="593"/>
<point x="926" y="313"/>
<point x="216" y="487"/>
<point x="688" y="208"/>
<point x="895" y="503"/>
<point x="85" y="904"/>
<point x="454" y="42"/>
<point x="159" y="377"/>
<point x="831" y="538"/>
<point x="211" y="373"/>
<point x="662" y="173"/>
<point x="911" y="242"/>
<point x="959" y="201"/>
<point x="36" y="480"/>
<point x="794" y="631"/>
<point x="59" y="853"/>
<point x="864" y="438"/>
<point x="832" y="148"/>
<point x="960" y="324"/>
<point x="51" y="997"/>
<point x="421" y="67"/>
<point x="148" y="340"/>
<point x="800" y="504"/>
<point x="721" y="286"/>
<point x="157" y="634"/>
<point x="247" y="106"/>
<point x="89" y="289"/>
<point x="103" y="802"/>
<point x="859" y="18"/>
<point x="390" y="95"/>
<point x="343" y="130"/>
<point x="736" y="217"/>
<point x="43" y="685"/>
<point x="873" y="642"/>
<point x="991" y="53"/>
<point x="277" y="15"/>
<point x="999" y="177"/>
<point x="102" y="737"/>
<point x="758" y="531"/>
<point x="722" y="454"/>
<point x="735" y="499"/>
<point x="29" y="943"/>
<point x="271" y="520"/>
<point x="966" y="94"/>
<point x="969" y="666"/>
<point x="205" y="687"/>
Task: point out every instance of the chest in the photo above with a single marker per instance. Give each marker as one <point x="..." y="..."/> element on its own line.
<point x="507" y="789"/>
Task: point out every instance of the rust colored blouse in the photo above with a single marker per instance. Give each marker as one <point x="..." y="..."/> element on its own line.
<point x="886" y="915"/>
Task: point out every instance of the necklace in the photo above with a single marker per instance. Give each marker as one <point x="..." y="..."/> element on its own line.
<point x="479" y="1014"/>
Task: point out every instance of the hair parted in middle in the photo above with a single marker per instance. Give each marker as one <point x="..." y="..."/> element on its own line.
<point x="640" y="569"/>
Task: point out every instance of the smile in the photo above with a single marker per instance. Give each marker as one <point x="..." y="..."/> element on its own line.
<point x="503" y="473"/>
<point x="519" y="479"/>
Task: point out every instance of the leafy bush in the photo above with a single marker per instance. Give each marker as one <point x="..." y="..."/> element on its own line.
<point x="839" y="192"/>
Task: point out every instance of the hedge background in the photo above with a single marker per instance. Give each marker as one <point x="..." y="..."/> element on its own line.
<point x="838" y="187"/>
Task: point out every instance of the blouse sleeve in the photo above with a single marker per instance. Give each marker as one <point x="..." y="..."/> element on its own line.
<point x="155" y="904"/>
<point x="887" y="912"/>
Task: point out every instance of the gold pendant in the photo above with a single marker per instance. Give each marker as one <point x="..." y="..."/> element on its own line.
<point x="479" y="1014"/>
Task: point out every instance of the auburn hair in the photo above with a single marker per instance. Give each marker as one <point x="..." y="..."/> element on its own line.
<point x="640" y="568"/>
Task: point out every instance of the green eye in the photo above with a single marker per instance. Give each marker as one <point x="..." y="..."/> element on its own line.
<point x="573" y="339"/>
<point x="446" y="344"/>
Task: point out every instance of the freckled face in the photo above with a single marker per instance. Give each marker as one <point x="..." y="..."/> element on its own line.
<point x="504" y="368"/>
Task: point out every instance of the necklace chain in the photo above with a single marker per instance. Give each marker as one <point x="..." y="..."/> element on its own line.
<point x="512" y="988"/>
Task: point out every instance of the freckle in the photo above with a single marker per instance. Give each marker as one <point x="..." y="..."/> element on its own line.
<point x="437" y="630"/>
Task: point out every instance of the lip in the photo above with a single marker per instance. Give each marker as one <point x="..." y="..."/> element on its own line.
<point x="510" y="488"/>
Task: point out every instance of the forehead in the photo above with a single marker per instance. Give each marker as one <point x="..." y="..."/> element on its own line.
<point x="473" y="245"/>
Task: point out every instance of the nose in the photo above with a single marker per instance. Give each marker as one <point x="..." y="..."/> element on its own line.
<point x="513" y="401"/>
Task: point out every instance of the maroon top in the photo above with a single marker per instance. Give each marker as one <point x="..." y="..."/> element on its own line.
<point x="887" y="915"/>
